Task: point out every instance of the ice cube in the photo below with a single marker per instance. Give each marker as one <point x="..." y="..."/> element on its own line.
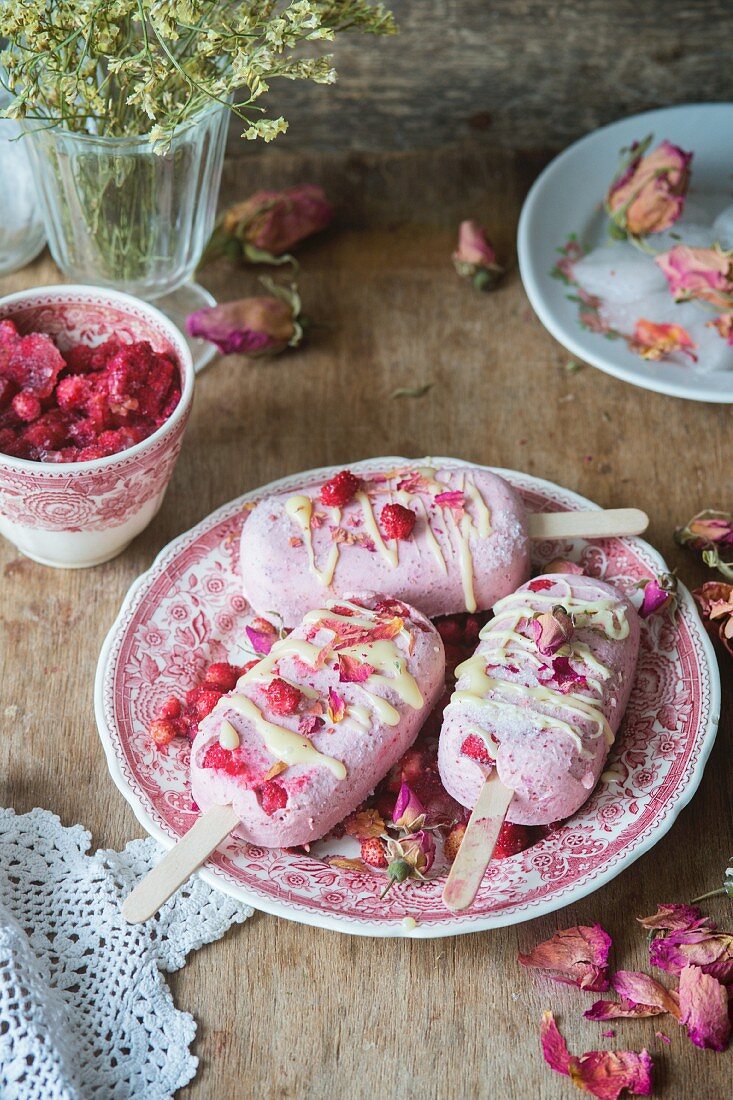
<point x="618" y="272"/>
<point x="723" y="227"/>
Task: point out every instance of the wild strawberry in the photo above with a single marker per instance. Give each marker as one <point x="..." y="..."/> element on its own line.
<point x="338" y="490"/>
<point x="283" y="697"/>
<point x="171" y="708"/>
<point x="162" y="731"/>
<point x="397" y="521"/>
<point x="222" y="676"/>
<point x="475" y="747"/>
<point x="453" y="840"/>
<point x="273" y="797"/>
<point x="206" y="701"/>
<point x="223" y="760"/>
<point x="373" y="853"/>
<point x="512" y="839"/>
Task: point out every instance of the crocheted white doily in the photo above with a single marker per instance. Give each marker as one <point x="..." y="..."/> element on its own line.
<point x="84" y="1009"/>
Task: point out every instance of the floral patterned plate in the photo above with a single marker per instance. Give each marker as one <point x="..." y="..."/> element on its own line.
<point x="564" y="204"/>
<point x="187" y="611"/>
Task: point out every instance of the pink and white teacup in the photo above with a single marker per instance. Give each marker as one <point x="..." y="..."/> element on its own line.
<point x="76" y="514"/>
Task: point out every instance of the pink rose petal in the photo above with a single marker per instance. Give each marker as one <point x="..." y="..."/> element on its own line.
<point x="712" y="951"/>
<point x="603" y="1073"/>
<point x="674" y="917"/>
<point x="352" y="670"/>
<point x="640" y="996"/>
<point x="261" y="641"/>
<point x="704" y="1009"/>
<point x="574" y="956"/>
<point x="336" y="706"/>
<point x="408" y="808"/>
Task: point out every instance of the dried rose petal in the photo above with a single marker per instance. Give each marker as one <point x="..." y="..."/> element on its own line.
<point x="705" y="274"/>
<point x="408" y="808"/>
<point x="711" y="950"/>
<point x="309" y="724"/>
<point x="657" y="341"/>
<point x="562" y="676"/>
<point x="640" y="996"/>
<point x="451" y="498"/>
<point x="673" y="917"/>
<point x="648" y="194"/>
<point x="336" y="706"/>
<point x="419" y="850"/>
<point x="704" y="1009"/>
<point x="364" y="825"/>
<point x="574" y="956"/>
<point x="273" y="222"/>
<point x="715" y="600"/>
<point x="602" y="1073"/>
<point x="261" y="641"/>
<point x="551" y="630"/>
<point x="352" y="670"/>
<point x="257" y="326"/>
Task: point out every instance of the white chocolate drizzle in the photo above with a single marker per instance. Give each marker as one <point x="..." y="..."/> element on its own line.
<point x="300" y="509"/>
<point x="282" y="743"/>
<point x="228" y="736"/>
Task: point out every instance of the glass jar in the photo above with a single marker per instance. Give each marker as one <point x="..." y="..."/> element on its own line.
<point x="120" y="215"/>
<point x="21" y="224"/>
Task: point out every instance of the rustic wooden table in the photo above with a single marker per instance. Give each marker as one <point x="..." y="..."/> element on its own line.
<point x="286" y="1010"/>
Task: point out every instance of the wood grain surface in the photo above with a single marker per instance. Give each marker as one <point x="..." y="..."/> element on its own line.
<point x="287" y="1011"/>
<point x="523" y="74"/>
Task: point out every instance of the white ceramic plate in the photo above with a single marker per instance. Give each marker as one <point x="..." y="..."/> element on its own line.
<point x="566" y="199"/>
<point x="188" y="610"/>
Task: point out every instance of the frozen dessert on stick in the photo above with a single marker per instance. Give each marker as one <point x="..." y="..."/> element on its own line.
<point x="307" y="732"/>
<point x="445" y="539"/>
<point x="539" y="703"/>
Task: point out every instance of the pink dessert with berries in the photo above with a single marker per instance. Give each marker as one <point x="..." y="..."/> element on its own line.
<point x="310" y="729"/>
<point x="444" y="540"/>
<point x="85" y="403"/>
<point x="542" y="697"/>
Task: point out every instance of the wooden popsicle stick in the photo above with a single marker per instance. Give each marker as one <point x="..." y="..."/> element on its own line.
<point x="477" y="846"/>
<point x="178" y="864"/>
<point x="588" y="525"/>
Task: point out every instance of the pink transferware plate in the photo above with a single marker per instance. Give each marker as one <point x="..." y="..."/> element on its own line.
<point x="188" y="611"/>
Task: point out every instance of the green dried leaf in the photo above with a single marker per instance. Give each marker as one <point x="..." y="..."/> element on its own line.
<point x="412" y="391"/>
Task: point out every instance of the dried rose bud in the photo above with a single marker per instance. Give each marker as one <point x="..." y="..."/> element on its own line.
<point x="409" y="812"/>
<point x="657" y="593"/>
<point x="475" y="258"/>
<point x="254" y="327"/>
<point x="551" y="630"/>
<point x="707" y="532"/>
<point x="657" y="341"/>
<point x="705" y="274"/>
<point x="715" y="600"/>
<point x="648" y="194"/>
<point x="419" y="849"/>
<point x="266" y="226"/>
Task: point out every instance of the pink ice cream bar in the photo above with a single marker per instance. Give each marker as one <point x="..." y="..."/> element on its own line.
<point x="542" y="697"/>
<point x="311" y="729"/>
<point x="450" y="540"/>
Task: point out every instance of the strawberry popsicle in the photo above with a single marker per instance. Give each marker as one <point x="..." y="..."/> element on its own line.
<point x="542" y="697"/>
<point x="444" y="540"/>
<point x="312" y="727"/>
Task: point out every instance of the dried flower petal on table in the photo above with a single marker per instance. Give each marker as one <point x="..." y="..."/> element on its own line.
<point x="657" y="341"/>
<point x="640" y="996"/>
<point x="551" y="630"/>
<point x="707" y="948"/>
<point x="648" y="194"/>
<point x="475" y="258"/>
<point x="703" y="274"/>
<point x="671" y="918"/>
<point x="266" y="226"/>
<point x="257" y="326"/>
<point x="574" y="956"/>
<point x="707" y="532"/>
<point x="715" y="600"/>
<point x="704" y="1009"/>
<point x="603" y="1073"/>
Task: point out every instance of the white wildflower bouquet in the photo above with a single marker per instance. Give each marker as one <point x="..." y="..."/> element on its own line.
<point x="122" y="68"/>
